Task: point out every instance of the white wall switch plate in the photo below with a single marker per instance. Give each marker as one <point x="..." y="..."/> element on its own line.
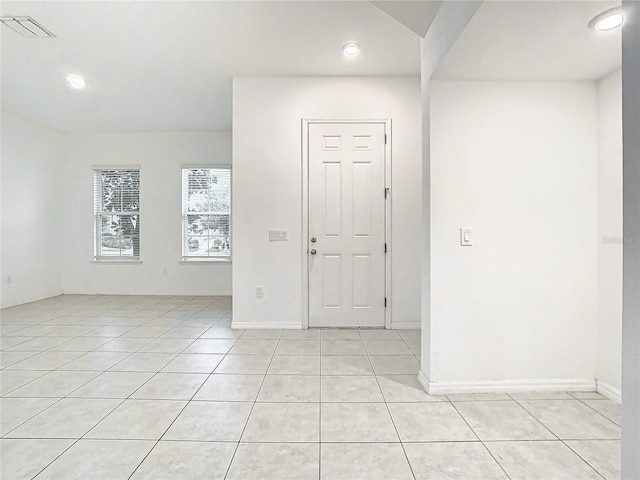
<point x="278" y="235"/>
<point x="466" y="239"/>
<point x="259" y="292"/>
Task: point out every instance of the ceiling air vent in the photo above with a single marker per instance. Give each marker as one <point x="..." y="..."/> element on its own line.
<point x="26" y="26"/>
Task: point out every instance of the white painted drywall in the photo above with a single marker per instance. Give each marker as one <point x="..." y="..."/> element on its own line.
<point x="160" y="156"/>
<point x="610" y="233"/>
<point x="267" y="187"/>
<point x="518" y="163"/>
<point x="31" y="211"/>
<point x="631" y="228"/>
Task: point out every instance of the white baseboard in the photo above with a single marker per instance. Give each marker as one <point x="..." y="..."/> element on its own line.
<point x="423" y="381"/>
<point x="564" y="385"/>
<point x="608" y="391"/>
<point x="405" y="325"/>
<point x="262" y="325"/>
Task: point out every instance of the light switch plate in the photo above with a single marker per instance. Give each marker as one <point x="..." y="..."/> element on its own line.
<point x="466" y="239"/>
<point x="278" y="235"/>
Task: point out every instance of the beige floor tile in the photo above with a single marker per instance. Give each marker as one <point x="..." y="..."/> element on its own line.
<point x="342" y="347"/>
<point x="298" y="347"/>
<point x="210" y="345"/>
<point x="262" y="334"/>
<point x="607" y="408"/>
<point x="387" y="347"/>
<point x="230" y="388"/>
<point x="112" y="385"/>
<point x="356" y="422"/>
<point x="502" y="421"/>
<point x="603" y="455"/>
<point x="138" y="420"/>
<point x="193" y="363"/>
<point x="124" y="345"/>
<point x="395" y="364"/>
<point x="167" y="345"/>
<point x="54" y="384"/>
<point x="572" y="420"/>
<point x="175" y="460"/>
<point x="370" y="461"/>
<point x="430" y="422"/>
<point x="143" y="362"/>
<point x="99" y="361"/>
<point x="22" y="459"/>
<point x="339" y="334"/>
<point x="244" y="364"/>
<point x="294" y="365"/>
<point x="171" y="386"/>
<point x="68" y="418"/>
<point x="290" y="388"/>
<point x="541" y="460"/>
<point x="283" y="422"/>
<point x="11" y="380"/>
<point x="15" y="411"/>
<point x="275" y="461"/>
<point x="351" y="388"/>
<point x="254" y="347"/>
<point x="98" y="459"/>
<point x="346" y="365"/>
<point x="452" y="461"/>
<point x="210" y="421"/>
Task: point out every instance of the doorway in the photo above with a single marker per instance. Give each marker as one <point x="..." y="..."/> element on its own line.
<point x="346" y="243"/>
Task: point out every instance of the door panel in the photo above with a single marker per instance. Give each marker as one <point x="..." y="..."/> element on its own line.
<point x="346" y="219"/>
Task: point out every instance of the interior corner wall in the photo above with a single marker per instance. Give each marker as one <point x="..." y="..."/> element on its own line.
<point x="31" y="211"/>
<point x="610" y="236"/>
<point x="517" y="162"/>
<point x="160" y="156"/>
<point x="267" y="187"/>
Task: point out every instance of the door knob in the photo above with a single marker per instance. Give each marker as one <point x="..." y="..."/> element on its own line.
<point x="313" y="251"/>
<point x="314" y="239"/>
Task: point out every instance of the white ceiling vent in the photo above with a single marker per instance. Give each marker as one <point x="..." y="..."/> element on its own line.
<point x="26" y="26"/>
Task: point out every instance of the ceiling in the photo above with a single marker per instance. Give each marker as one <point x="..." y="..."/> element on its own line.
<point x="534" y="40"/>
<point x="168" y="65"/>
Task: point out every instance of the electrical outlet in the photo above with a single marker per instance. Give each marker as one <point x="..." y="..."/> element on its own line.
<point x="9" y="279"/>
<point x="259" y="292"/>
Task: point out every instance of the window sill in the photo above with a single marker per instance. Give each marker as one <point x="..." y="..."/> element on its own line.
<point x="202" y="261"/>
<point x="126" y="262"/>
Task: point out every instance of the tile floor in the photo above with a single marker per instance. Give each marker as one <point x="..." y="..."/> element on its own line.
<point x="111" y="387"/>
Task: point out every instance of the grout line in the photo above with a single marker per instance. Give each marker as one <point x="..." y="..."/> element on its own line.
<point x="253" y="405"/>
<point x="560" y="439"/>
<point x="389" y="411"/>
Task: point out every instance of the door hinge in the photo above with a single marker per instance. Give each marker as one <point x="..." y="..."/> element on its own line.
<point x="385" y="302"/>
<point x="386" y="192"/>
<point x="385" y="138"/>
<point x="385" y="248"/>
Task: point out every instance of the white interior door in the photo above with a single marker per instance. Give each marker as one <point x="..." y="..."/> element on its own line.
<point x="346" y="224"/>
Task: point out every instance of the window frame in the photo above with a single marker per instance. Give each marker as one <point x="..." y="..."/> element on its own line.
<point x="98" y="214"/>
<point x="194" y="259"/>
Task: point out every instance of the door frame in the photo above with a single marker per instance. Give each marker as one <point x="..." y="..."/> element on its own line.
<point x="305" y="210"/>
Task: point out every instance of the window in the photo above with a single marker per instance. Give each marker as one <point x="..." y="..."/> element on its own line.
<point x="206" y="213"/>
<point x="117" y="213"/>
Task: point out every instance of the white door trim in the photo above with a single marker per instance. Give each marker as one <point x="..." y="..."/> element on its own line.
<point x="305" y="212"/>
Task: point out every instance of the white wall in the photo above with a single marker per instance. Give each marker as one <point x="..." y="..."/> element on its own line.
<point x="610" y="233"/>
<point x="31" y="211"/>
<point x="518" y="163"/>
<point x="160" y="156"/>
<point x="267" y="186"/>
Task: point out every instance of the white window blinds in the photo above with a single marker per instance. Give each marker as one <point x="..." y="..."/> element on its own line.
<point x="116" y="194"/>
<point x="206" y="213"/>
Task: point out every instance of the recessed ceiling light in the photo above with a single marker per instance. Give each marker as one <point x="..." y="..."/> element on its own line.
<point x="76" y="81"/>
<point x="351" y="49"/>
<point x="607" y="20"/>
